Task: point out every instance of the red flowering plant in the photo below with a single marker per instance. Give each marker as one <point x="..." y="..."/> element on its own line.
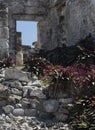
<point x="78" y="76"/>
<point x="6" y="62"/>
<point x="60" y="80"/>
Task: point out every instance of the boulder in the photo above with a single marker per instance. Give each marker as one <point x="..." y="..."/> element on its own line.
<point x="18" y="112"/>
<point x="51" y="105"/>
<point x="13" y="84"/>
<point x="8" y="109"/>
<point x="16" y="74"/>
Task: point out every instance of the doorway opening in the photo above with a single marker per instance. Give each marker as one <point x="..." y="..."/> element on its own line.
<point x="26" y="35"/>
<point x="28" y="31"/>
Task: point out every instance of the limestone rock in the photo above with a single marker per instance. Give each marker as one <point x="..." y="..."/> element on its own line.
<point x="13" y="84"/>
<point x="37" y="93"/>
<point x="30" y="112"/>
<point x="14" y="98"/>
<point x="19" y="58"/>
<point x="8" y="109"/>
<point x="18" y="105"/>
<point x="16" y="74"/>
<point x="25" y="103"/>
<point x="35" y="83"/>
<point x="51" y="105"/>
<point x="34" y="103"/>
<point x="18" y="112"/>
<point x="16" y="92"/>
<point x="80" y="20"/>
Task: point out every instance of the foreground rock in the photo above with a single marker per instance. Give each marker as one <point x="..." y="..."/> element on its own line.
<point x="16" y="74"/>
<point x="11" y="122"/>
<point x="23" y="102"/>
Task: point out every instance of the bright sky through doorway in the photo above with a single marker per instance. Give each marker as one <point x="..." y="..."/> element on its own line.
<point x="29" y="31"/>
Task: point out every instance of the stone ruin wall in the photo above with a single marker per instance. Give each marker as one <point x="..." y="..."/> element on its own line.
<point x="59" y="21"/>
<point x="80" y="20"/>
<point x="4" y="30"/>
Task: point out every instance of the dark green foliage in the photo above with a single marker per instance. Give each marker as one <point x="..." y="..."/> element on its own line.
<point x="36" y="65"/>
<point x="83" y="114"/>
<point x="82" y="52"/>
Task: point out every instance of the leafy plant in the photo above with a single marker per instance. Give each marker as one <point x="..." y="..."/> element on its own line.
<point x="61" y="81"/>
<point x="83" y="114"/>
<point x="36" y="65"/>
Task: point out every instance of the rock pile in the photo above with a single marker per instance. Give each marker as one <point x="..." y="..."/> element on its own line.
<point x="24" y="106"/>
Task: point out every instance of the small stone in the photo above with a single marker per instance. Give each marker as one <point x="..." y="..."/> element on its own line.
<point x="18" y="105"/>
<point x="8" y="109"/>
<point x="14" y="98"/>
<point x="13" y="84"/>
<point x="25" y="91"/>
<point x="8" y="120"/>
<point x="18" y="112"/>
<point x="37" y="93"/>
<point x="16" y="92"/>
<point x="34" y="103"/>
<point x="51" y="105"/>
<point x="35" y="83"/>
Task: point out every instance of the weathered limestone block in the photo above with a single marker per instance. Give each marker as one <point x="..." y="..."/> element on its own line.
<point x="35" y="10"/>
<point x="4" y="48"/>
<point x="4" y="31"/>
<point x="19" y="58"/>
<point x="18" y="112"/>
<point x="61" y="8"/>
<point x="16" y="74"/>
<point x="14" y="84"/>
<point x="8" y="109"/>
<point x="3" y="23"/>
<point x="51" y="105"/>
<point x="80" y="20"/>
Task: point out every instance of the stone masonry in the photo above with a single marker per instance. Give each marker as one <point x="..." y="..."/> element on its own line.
<point x="4" y="31"/>
<point x="59" y="22"/>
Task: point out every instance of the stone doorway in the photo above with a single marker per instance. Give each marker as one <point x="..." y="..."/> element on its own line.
<point x="26" y="35"/>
